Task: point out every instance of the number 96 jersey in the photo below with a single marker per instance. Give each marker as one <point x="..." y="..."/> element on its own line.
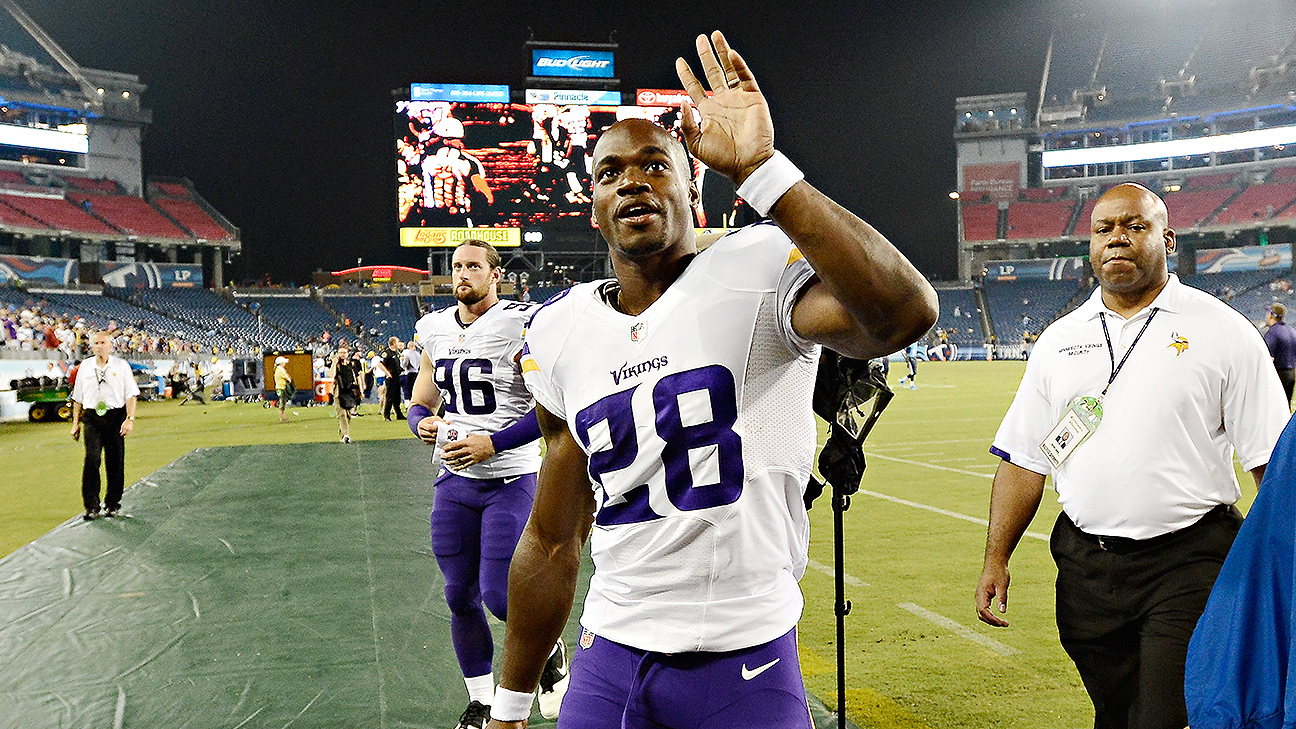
<point x="695" y="416"/>
<point x="479" y="382"/>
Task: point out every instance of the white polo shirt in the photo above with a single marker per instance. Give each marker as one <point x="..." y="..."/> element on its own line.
<point x="113" y="384"/>
<point x="1198" y="385"/>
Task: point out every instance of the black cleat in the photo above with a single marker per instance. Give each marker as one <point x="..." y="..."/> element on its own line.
<point x="553" y="681"/>
<point x="476" y="716"/>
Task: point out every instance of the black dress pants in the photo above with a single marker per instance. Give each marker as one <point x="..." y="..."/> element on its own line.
<point x="1126" y="610"/>
<point x="393" y="400"/>
<point x="1288" y="379"/>
<point x="103" y="434"/>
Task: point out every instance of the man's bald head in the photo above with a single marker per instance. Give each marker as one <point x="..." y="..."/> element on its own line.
<point x="1132" y="192"/>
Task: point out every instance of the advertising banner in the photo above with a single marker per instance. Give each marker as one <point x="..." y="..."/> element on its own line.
<point x="37" y="270"/>
<point x="152" y="275"/>
<point x="1038" y="269"/>
<point x="999" y="181"/>
<point x="459" y="92"/>
<point x="663" y="97"/>
<point x="1250" y="258"/>
<point x="573" y="96"/>
<point x="451" y="237"/>
<point x="583" y="64"/>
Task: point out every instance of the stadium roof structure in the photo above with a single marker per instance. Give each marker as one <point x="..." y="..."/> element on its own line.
<point x="1184" y="58"/>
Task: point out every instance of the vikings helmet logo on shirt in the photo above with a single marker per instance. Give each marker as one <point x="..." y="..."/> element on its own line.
<point x="1179" y="343"/>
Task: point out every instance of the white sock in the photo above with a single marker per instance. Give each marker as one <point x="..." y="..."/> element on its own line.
<point x="481" y="688"/>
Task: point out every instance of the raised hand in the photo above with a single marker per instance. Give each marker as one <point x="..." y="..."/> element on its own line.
<point x="735" y="133"/>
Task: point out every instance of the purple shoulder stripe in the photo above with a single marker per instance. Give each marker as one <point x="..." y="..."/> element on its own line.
<point x="1002" y="454"/>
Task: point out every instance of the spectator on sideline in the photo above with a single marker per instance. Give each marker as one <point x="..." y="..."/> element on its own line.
<point x="702" y="534"/>
<point x="390" y="361"/>
<point x="411" y="359"/>
<point x="1134" y="403"/>
<point x="1281" y="340"/>
<point x="282" y="380"/>
<point x="346" y="389"/>
<point x="104" y="400"/>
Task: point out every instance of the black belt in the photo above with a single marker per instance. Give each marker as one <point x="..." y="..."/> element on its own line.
<point x="1125" y="545"/>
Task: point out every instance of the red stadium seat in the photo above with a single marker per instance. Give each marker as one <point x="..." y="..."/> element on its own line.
<point x="131" y="215"/>
<point x="981" y="221"/>
<point x="1030" y="220"/>
<point x="57" y="213"/>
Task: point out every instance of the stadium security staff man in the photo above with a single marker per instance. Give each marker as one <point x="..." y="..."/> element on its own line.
<point x="103" y="399"/>
<point x="675" y="405"/>
<point x="483" y="496"/>
<point x="1134" y="403"/>
<point x="1281" y="340"/>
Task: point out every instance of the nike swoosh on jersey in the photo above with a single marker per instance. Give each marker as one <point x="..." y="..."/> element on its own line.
<point x="749" y="674"/>
<point x="511" y="479"/>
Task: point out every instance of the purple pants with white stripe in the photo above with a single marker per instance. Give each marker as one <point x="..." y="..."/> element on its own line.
<point x="614" y="686"/>
<point x="475" y="528"/>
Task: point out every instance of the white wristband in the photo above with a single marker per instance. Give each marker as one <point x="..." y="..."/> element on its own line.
<point x="767" y="184"/>
<point x="511" y="705"/>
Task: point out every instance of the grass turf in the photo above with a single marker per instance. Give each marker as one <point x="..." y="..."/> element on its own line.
<point x="913" y="659"/>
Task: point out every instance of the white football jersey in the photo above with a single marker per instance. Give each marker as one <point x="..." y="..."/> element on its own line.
<point x="696" y="419"/>
<point x="478" y="379"/>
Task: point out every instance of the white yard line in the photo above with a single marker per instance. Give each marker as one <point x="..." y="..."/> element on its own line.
<point x="938" y="510"/>
<point x="873" y="454"/>
<point x="958" y="629"/>
<point x="847" y="577"/>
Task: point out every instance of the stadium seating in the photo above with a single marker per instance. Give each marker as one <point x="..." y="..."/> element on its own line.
<point x="177" y="201"/>
<point x="12" y="216"/>
<point x="129" y="214"/>
<point x="225" y="324"/>
<point x="1259" y="202"/>
<point x="57" y="213"/>
<point x="959" y="317"/>
<point x="1020" y="306"/>
<point x="196" y="220"/>
<point x="102" y="184"/>
<point x="1032" y="220"/>
<point x="300" y="316"/>
<point x="385" y="316"/>
<point x="1189" y="209"/>
<point x="981" y="221"/>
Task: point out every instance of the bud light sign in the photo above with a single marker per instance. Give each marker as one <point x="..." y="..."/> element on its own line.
<point x="568" y="64"/>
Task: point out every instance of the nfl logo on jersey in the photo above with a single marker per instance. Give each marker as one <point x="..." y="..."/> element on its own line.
<point x="586" y="639"/>
<point x="636" y="331"/>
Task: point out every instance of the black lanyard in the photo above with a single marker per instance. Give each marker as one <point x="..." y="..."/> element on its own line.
<point x="1116" y="368"/>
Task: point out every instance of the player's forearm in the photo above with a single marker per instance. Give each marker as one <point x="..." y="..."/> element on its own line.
<point x="541" y="587"/>
<point x="130" y="408"/>
<point x="1014" y="500"/>
<point x="76" y="412"/>
<point x="890" y="304"/>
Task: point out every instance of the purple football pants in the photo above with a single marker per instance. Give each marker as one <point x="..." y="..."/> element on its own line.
<point x="618" y="687"/>
<point x="475" y="527"/>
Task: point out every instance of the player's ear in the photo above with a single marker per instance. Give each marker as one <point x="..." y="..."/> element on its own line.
<point x="694" y="196"/>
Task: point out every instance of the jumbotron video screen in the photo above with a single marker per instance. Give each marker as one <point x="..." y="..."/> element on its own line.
<point x="517" y="167"/>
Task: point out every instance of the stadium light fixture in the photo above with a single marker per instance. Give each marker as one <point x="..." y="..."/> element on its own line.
<point x="1252" y="139"/>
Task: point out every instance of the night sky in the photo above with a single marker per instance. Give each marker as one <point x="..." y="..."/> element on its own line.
<point x="281" y="113"/>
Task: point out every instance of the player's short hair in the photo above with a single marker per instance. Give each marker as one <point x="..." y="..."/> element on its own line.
<point x="492" y="256"/>
<point x="1279" y="311"/>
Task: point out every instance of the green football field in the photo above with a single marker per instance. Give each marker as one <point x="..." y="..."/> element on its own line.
<point x="916" y="655"/>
